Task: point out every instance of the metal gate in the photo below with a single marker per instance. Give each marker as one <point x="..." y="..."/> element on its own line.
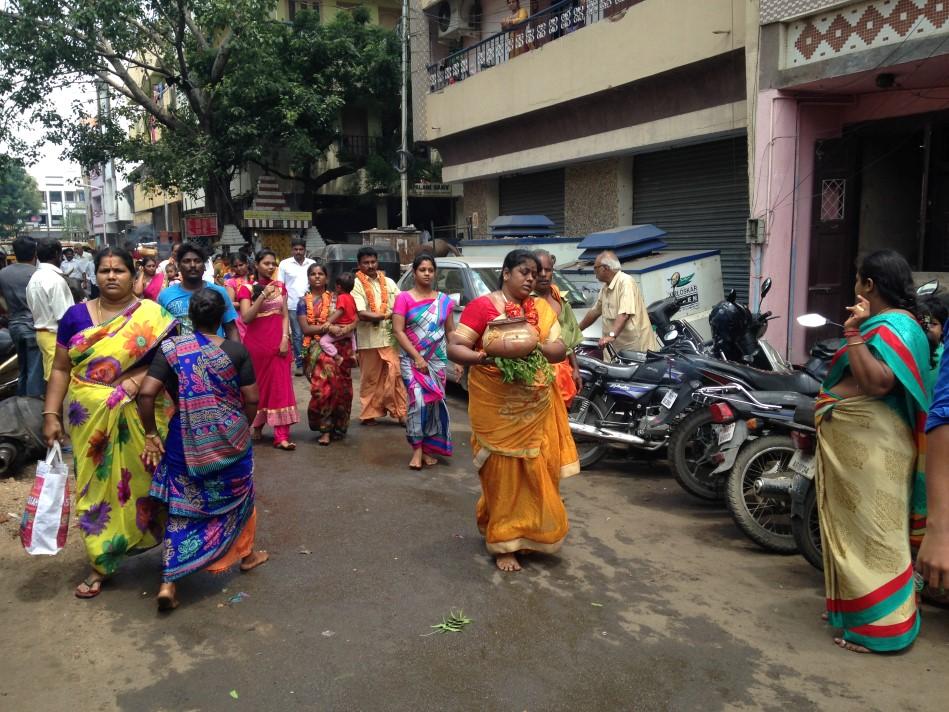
<point x="699" y="195"/>
<point x="534" y="194"/>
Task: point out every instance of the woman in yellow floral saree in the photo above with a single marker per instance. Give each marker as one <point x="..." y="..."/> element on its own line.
<point x="520" y="432"/>
<point x="102" y="355"/>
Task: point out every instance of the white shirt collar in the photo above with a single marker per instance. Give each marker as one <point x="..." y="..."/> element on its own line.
<point x="47" y="265"/>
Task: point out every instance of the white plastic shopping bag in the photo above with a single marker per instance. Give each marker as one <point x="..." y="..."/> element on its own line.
<point x="46" y="518"/>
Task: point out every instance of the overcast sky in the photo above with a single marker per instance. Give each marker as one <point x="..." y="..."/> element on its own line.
<point x="50" y="163"/>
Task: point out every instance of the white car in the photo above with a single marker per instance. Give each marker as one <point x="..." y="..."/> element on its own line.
<point x="466" y="279"/>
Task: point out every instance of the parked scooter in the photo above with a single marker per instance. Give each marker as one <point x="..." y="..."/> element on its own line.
<point x="21" y="433"/>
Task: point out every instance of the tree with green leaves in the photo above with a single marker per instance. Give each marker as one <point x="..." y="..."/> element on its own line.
<point x="19" y="196"/>
<point x="208" y="86"/>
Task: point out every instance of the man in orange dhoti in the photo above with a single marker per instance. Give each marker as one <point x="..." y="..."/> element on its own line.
<point x="381" y="390"/>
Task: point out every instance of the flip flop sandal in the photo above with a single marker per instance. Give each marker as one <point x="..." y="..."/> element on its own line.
<point x="286" y="446"/>
<point x="94" y="588"/>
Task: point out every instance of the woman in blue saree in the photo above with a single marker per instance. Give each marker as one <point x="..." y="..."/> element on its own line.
<point x="421" y="322"/>
<point x="204" y="470"/>
<point x="870" y="456"/>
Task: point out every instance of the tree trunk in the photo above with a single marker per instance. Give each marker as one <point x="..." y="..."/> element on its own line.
<point x="217" y="199"/>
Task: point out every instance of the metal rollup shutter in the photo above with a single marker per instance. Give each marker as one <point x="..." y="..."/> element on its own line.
<point x="699" y="195"/>
<point x="534" y="194"/>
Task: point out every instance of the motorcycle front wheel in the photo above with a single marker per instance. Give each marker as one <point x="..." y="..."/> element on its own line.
<point x="589" y="412"/>
<point x="765" y="520"/>
<point x="806" y="530"/>
<point x="691" y="443"/>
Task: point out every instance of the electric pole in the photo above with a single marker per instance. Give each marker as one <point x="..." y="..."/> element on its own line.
<point x="404" y="153"/>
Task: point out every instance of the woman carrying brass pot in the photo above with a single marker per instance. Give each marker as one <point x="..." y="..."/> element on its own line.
<point x="520" y="433"/>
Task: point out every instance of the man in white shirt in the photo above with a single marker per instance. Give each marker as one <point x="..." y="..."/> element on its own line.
<point x="88" y="272"/>
<point x="293" y="275"/>
<point x="70" y="266"/>
<point x="48" y="297"/>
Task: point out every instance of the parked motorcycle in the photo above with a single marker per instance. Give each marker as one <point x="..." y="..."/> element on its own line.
<point x="762" y="421"/>
<point x="9" y="367"/>
<point x="21" y="433"/>
<point x="802" y="467"/>
<point x="701" y="462"/>
<point x="695" y="448"/>
<point x="738" y="333"/>
<point x="630" y="405"/>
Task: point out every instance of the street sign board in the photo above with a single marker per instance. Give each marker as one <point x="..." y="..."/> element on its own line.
<point x="201" y="225"/>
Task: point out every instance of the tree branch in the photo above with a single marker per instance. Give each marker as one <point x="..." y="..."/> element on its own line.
<point x="223" y="54"/>
<point x="195" y="30"/>
<point x="195" y="97"/>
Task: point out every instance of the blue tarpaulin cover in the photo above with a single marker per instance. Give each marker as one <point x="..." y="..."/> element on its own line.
<point x="522" y="226"/>
<point x="621" y="237"/>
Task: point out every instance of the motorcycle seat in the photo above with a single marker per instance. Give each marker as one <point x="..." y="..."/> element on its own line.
<point x="799" y="381"/>
<point x="621" y="373"/>
<point x="631" y="356"/>
<point x="785" y="399"/>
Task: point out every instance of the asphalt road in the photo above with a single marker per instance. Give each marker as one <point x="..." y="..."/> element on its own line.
<point x="656" y="602"/>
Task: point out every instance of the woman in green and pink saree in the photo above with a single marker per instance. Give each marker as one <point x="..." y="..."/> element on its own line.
<point x="870" y="454"/>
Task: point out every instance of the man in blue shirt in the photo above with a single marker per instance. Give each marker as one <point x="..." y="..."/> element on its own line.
<point x="177" y="297"/>
<point x="933" y="559"/>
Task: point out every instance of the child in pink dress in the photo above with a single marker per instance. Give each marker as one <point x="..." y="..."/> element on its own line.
<point x="344" y="314"/>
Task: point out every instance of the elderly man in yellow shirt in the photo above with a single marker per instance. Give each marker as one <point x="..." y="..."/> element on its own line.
<point x="625" y="320"/>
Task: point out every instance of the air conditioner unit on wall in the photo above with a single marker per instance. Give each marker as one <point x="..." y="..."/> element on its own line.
<point x="458" y="18"/>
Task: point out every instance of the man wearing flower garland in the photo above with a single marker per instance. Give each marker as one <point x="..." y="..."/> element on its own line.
<point x="381" y="390"/>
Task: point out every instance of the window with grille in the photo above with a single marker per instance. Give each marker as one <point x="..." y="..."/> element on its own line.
<point x="833" y="199"/>
<point x="296" y="7"/>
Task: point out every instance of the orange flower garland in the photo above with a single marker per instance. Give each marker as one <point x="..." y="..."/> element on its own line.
<point x="371" y="296"/>
<point x="528" y="310"/>
<point x="325" y="302"/>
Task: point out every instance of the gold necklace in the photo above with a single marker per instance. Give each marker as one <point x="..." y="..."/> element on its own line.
<point x="120" y="309"/>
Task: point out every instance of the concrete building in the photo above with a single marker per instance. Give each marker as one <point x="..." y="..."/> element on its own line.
<point x="597" y="114"/>
<point x="851" y="146"/>
<point x="63" y="215"/>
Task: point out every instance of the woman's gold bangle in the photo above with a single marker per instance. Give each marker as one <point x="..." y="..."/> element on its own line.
<point x="52" y="412"/>
<point x="857" y="343"/>
<point x="152" y="435"/>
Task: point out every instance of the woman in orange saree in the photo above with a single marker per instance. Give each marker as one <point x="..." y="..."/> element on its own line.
<point x="520" y="433"/>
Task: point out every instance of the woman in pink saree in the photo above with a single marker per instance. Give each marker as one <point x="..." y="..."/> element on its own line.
<point x="264" y="311"/>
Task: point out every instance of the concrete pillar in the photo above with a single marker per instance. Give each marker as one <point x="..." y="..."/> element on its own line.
<point x="624" y="191"/>
<point x="382" y="213"/>
<point x="492" y="200"/>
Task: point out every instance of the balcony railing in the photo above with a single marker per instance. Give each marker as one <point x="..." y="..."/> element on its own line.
<point x="552" y="23"/>
<point x="360" y="147"/>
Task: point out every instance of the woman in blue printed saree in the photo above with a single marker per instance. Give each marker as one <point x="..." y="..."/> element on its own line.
<point x="871" y="456"/>
<point x="421" y="322"/>
<point x="102" y="353"/>
<point x="205" y="468"/>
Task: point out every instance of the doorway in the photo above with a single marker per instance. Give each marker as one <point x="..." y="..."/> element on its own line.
<point x="881" y="185"/>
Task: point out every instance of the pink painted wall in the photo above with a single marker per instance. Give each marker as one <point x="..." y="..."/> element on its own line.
<point x="786" y="131"/>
